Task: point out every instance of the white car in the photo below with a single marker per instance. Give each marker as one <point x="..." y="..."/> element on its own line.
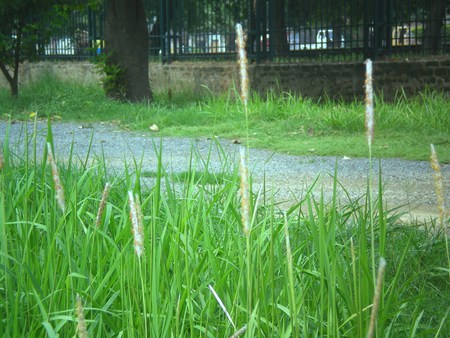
<point x="311" y="39"/>
<point x="60" y="46"/>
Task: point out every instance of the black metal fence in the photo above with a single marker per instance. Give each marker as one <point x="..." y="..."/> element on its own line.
<point x="277" y="30"/>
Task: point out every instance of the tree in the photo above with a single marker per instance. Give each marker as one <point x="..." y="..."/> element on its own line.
<point x="434" y="25"/>
<point x="18" y="26"/>
<point x="24" y="26"/>
<point x="280" y="38"/>
<point x="126" y="47"/>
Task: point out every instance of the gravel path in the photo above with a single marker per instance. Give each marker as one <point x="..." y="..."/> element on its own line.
<point x="408" y="184"/>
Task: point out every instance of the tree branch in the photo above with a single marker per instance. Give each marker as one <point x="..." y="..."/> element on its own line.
<point x="6" y="73"/>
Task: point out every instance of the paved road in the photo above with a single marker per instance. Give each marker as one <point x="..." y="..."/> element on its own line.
<point x="408" y="184"/>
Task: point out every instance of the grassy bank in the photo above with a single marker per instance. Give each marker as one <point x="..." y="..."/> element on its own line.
<point x="286" y="123"/>
<point x="311" y="271"/>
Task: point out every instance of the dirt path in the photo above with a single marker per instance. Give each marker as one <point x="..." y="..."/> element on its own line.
<point x="406" y="184"/>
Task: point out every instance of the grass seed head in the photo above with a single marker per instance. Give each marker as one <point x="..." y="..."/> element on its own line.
<point x="368" y="85"/>
<point x="81" y="327"/>
<point x="140" y="215"/>
<point x="243" y="63"/>
<point x="102" y="204"/>
<point x="136" y="223"/>
<point x="56" y="179"/>
<point x="239" y="332"/>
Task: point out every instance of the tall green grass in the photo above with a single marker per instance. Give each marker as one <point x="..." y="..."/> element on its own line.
<point x="312" y="271"/>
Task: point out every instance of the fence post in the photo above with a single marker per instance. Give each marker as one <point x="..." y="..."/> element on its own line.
<point x="92" y="32"/>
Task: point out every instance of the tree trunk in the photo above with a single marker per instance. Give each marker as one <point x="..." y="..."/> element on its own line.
<point x="432" y="35"/>
<point x="251" y="34"/>
<point x="12" y="80"/>
<point x="126" y="47"/>
<point x="281" y="43"/>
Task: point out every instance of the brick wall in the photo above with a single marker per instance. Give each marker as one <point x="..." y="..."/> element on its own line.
<point x="338" y="80"/>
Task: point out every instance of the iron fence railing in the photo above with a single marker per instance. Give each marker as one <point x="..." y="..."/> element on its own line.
<point x="281" y="30"/>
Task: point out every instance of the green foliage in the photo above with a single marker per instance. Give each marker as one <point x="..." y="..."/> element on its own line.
<point x="322" y="286"/>
<point x="418" y="32"/>
<point x="28" y="24"/>
<point x="111" y="76"/>
<point x="25" y="28"/>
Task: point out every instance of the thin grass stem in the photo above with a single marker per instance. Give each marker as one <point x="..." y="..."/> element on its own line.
<point x="222" y="305"/>
<point x="440" y="194"/>
<point x="290" y="267"/>
<point x="376" y="298"/>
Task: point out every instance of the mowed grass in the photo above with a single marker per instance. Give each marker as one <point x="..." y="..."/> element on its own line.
<point x="309" y="271"/>
<point x="287" y="123"/>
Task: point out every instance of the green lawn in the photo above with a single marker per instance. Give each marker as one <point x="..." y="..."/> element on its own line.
<point x="287" y="123"/>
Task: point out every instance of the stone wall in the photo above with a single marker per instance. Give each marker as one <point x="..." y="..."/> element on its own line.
<point x="337" y="80"/>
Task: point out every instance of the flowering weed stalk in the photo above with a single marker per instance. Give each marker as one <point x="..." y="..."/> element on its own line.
<point x="102" y="205"/>
<point x="243" y="169"/>
<point x="56" y="179"/>
<point x="81" y="326"/>
<point x="243" y="63"/>
<point x="246" y="221"/>
<point x="136" y="224"/>
<point x="368" y="85"/>
<point x="137" y="220"/>
<point x="369" y="124"/>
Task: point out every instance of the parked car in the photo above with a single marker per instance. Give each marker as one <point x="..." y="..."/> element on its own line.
<point x="311" y="39"/>
<point x="60" y="46"/>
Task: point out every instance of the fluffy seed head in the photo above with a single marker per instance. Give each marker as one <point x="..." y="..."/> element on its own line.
<point x="136" y="223"/>
<point x="243" y="63"/>
<point x="81" y="327"/>
<point x="239" y="332"/>
<point x="56" y="179"/>
<point x="370" y="124"/>
<point x="244" y="192"/>
<point x="101" y="207"/>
